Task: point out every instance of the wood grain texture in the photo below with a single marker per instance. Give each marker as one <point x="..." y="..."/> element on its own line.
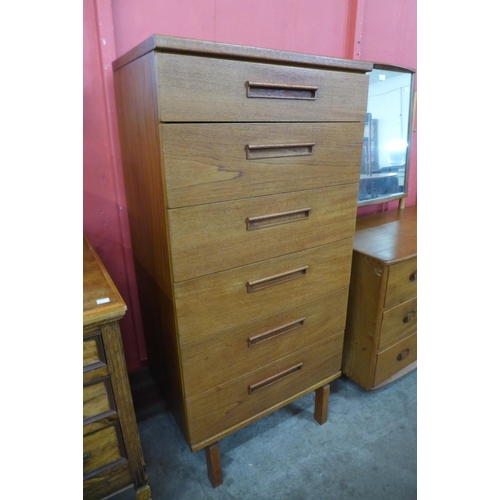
<point x="210" y="360"/>
<point x="390" y="361"/>
<point x="398" y="322"/>
<point x="110" y="434"/>
<point x="321" y="404"/>
<point x="230" y="406"/>
<point x="198" y="89"/>
<point x="200" y="310"/>
<point x="163" y="43"/>
<point x="197" y="252"/>
<point x="382" y="294"/>
<point x="241" y="170"/>
<point x="101" y="299"/>
<point x="206" y="163"/>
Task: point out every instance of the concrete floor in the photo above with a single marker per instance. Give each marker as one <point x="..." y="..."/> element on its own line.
<point x="367" y="450"/>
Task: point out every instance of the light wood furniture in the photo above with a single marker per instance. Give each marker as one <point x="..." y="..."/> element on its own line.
<point x="241" y="168"/>
<point x="112" y="454"/>
<point x="381" y="330"/>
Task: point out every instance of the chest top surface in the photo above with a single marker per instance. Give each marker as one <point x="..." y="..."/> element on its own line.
<point x="162" y="43"/>
<point x="101" y="300"/>
<point x="388" y="236"/>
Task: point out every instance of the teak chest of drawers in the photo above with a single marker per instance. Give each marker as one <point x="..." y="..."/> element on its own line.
<point x="381" y="330"/>
<point x="112" y="454"/>
<point x="241" y="168"/>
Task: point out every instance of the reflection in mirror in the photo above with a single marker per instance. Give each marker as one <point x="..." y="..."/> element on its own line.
<point x="386" y="146"/>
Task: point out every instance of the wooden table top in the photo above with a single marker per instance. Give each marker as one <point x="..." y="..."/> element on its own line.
<point x="101" y="300"/>
<point x="389" y="236"/>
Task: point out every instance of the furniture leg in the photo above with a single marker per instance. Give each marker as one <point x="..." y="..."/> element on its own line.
<point x="212" y="454"/>
<point x="143" y="493"/>
<point x="321" y="404"/>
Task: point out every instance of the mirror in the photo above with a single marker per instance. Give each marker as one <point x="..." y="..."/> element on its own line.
<point x="388" y="131"/>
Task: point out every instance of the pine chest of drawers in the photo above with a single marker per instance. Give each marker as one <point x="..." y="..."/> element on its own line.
<point x="241" y="168"/>
<point x="381" y="329"/>
<point x="112" y="454"/>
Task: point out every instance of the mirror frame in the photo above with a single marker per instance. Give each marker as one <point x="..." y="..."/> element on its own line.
<point x="400" y="195"/>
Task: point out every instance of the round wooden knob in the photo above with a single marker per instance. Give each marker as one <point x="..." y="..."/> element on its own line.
<point x="403" y="354"/>
<point x="413" y="276"/>
<point x="410" y="317"/>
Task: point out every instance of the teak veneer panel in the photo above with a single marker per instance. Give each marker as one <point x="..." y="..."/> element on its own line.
<point x="201" y="312"/>
<point x="215" y="90"/>
<point x="241" y="168"/>
<point x="207" y="163"/>
<point x="307" y="323"/>
<point x="195" y="252"/>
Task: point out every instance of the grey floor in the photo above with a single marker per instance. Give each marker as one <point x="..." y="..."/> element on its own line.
<point x="366" y="450"/>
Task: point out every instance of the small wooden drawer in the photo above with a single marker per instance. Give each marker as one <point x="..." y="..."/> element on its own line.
<point x="398" y="322"/>
<point x="201" y="89"/>
<point x="102" y="449"/>
<point x="260" y="289"/>
<point x="93" y="353"/>
<point x="210" y="238"/>
<point x="212" y="162"/>
<point x="395" y="358"/>
<point x="401" y="282"/>
<point x="212" y="360"/>
<point x="97" y="399"/>
<point x="249" y="397"/>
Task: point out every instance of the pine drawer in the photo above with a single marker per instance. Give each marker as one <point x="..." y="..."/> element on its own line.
<point x="395" y="358"/>
<point x="398" y="322"/>
<point x="401" y="282"/>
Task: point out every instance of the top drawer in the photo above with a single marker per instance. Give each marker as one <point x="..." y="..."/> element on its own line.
<point x="204" y="89"/>
<point x="401" y="282"/>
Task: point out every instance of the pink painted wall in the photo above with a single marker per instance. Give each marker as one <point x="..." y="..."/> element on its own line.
<point x="386" y="28"/>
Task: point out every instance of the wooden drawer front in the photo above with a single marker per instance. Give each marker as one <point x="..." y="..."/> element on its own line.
<point x="97" y="399"/>
<point x="213" y="360"/>
<point x="210" y="238"/>
<point x="215" y="411"/>
<point x="225" y="300"/>
<point x="103" y="448"/>
<point x="107" y="482"/>
<point x="93" y="353"/>
<point x="201" y="89"/>
<point x="207" y="163"/>
<point x="398" y="322"/>
<point x="395" y="358"/>
<point x="402" y="282"/>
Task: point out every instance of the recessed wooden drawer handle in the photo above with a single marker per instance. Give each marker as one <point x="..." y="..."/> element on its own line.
<point x="271" y="380"/>
<point x="280" y="330"/>
<point x="278" y="218"/>
<point x="410" y="317"/>
<point x="281" y="91"/>
<point x="254" y="286"/>
<point x="256" y="152"/>
<point x="403" y="354"/>
<point x="413" y="276"/>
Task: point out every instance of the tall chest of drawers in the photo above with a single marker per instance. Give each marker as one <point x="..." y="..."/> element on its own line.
<point x="112" y="453"/>
<point x="381" y="329"/>
<point x="241" y="168"/>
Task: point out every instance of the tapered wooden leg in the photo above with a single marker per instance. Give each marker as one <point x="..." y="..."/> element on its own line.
<point x="212" y="454"/>
<point x="321" y="404"/>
